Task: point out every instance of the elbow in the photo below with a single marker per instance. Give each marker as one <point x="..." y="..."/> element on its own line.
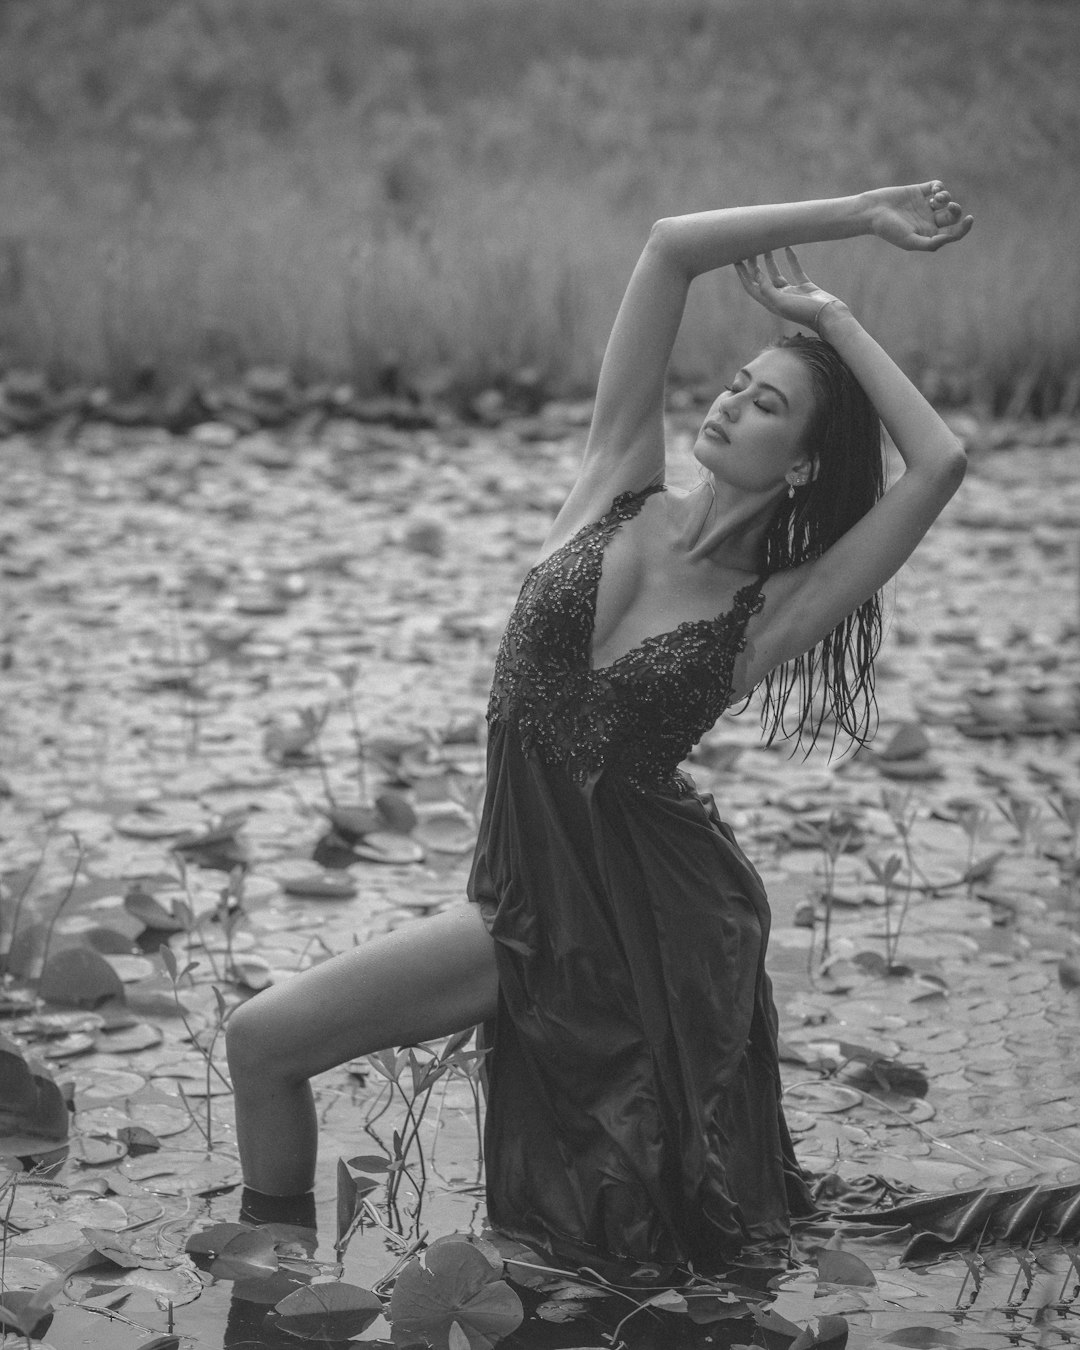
<point x="660" y="230"/>
<point x="666" y="243"/>
<point x="955" y="463"/>
<point x="662" y="236"/>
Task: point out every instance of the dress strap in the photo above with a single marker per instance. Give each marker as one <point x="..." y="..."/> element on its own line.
<point x="628" y="504"/>
<point x="746" y="602"/>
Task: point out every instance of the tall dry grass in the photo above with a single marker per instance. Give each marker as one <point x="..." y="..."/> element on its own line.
<point x="464" y="184"/>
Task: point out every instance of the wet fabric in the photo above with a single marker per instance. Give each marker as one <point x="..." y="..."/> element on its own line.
<point x="633" y="1088"/>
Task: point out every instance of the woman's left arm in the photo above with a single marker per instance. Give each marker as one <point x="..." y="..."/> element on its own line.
<point x="818" y="595"/>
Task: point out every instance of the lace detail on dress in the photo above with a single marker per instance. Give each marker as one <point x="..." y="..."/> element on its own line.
<point x="638" y="717"/>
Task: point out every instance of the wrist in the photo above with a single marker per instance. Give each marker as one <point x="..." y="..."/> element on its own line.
<point x="868" y="211"/>
<point x="832" y="318"/>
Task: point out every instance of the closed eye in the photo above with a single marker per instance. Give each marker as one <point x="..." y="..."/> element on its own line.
<point x="757" y="402"/>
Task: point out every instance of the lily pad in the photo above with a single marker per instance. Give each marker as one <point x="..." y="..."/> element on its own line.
<point x="456" y="1284"/>
<point x="81" y="978"/>
<point x="385" y="847"/>
<point x="328" y="1310"/>
<point x="320" y="886"/>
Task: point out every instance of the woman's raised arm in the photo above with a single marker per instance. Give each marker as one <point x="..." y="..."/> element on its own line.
<point x="812" y="599"/>
<point x="625" y="448"/>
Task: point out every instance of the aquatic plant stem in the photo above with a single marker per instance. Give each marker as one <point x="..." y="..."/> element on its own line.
<point x="13" y="1182"/>
<point x="7" y="944"/>
<point x="67" y="896"/>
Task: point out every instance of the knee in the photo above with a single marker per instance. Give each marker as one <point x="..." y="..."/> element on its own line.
<point x="250" y="1044"/>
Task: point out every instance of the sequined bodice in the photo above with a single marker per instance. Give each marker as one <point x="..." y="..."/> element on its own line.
<point x="637" y="717"/>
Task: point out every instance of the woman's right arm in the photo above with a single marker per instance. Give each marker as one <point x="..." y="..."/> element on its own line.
<point x="625" y="448"/>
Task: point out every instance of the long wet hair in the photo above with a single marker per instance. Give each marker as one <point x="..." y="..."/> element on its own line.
<point x="834" y="681"/>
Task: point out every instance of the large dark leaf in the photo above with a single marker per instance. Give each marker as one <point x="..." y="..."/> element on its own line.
<point x="31" y="1103"/>
<point x="247" y="1256"/>
<point x="213" y="1240"/>
<point x="80" y="978"/>
<point x="838" y="1267"/>
<point x="328" y="1310"/>
<point x="922" y="1338"/>
<point x="457" y="1285"/>
<point x="23" y="1310"/>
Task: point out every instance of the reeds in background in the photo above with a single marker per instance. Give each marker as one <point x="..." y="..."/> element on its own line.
<point x="461" y="186"/>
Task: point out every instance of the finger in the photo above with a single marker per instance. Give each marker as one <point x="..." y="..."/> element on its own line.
<point x="743" y="273"/>
<point x="947" y="214"/>
<point x="775" y="275"/>
<point x="949" y="236"/>
<point x="746" y="274"/>
<point x="795" y="268"/>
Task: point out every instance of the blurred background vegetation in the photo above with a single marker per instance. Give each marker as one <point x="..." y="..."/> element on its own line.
<point x="462" y="186"/>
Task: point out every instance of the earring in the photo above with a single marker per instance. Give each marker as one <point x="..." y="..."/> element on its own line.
<point x="790" y="491"/>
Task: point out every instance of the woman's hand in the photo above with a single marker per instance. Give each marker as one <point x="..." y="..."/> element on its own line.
<point x="923" y="216"/>
<point x="799" y="300"/>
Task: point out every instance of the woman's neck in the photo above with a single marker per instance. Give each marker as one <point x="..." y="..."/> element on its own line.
<point x="727" y="526"/>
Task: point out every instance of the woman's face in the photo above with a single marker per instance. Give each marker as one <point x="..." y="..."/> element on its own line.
<point x="753" y="434"/>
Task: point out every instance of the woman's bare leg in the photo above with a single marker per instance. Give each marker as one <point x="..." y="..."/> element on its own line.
<point x="426" y="979"/>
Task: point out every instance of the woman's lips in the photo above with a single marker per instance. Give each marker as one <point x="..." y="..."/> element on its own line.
<point x="713" y="428"/>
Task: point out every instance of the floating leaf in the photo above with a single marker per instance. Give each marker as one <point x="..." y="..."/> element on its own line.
<point x="176" y="1286"/>
<point x="210" y="1241"/>
<point x="353" y="822"/>
<point x="770" y="1320"/>
<point x="130" y="1040"/>
<point x="81" y="978"/>
<point x="1069" y="973"/>
<point x="246" y="1256"/>
<point x="328" y="1310"/>
<point x="371" y="1162"/>
<point x="559" y="1310"/>
<point x="909" y="741"/>
<point x="447" y="832"/>
<point x="320" y="886"/>
<point x="31" y="1102"/>
<point x="922" y="1338"/>
<point x="138" y="1139"/>
<point x="252" y="971"/>
<point x="670" y="1299"/>
<point x="150" y="911"/>
<point x="386" y="847"/>
<point x="840" y="1267"/>
<point x="712" y="1307"/>
<point x="896" y="1077"/>
<point x="113" y="1246"/>
<point x="458" y="1284"/>
<point x="94" y="1152"/>
<point x="822" y="1333"/>
<point x="28" y="1311"/>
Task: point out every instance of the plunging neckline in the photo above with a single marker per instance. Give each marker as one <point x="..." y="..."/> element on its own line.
<point x="603" y="532"/>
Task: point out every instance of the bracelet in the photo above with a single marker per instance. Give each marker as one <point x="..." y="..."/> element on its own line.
<point x="817" y="317"/>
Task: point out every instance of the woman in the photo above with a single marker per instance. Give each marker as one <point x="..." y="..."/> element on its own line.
<point x="615" y="942"/>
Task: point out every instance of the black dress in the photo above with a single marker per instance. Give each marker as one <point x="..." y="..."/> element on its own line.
<point x="633" y="1090"/>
